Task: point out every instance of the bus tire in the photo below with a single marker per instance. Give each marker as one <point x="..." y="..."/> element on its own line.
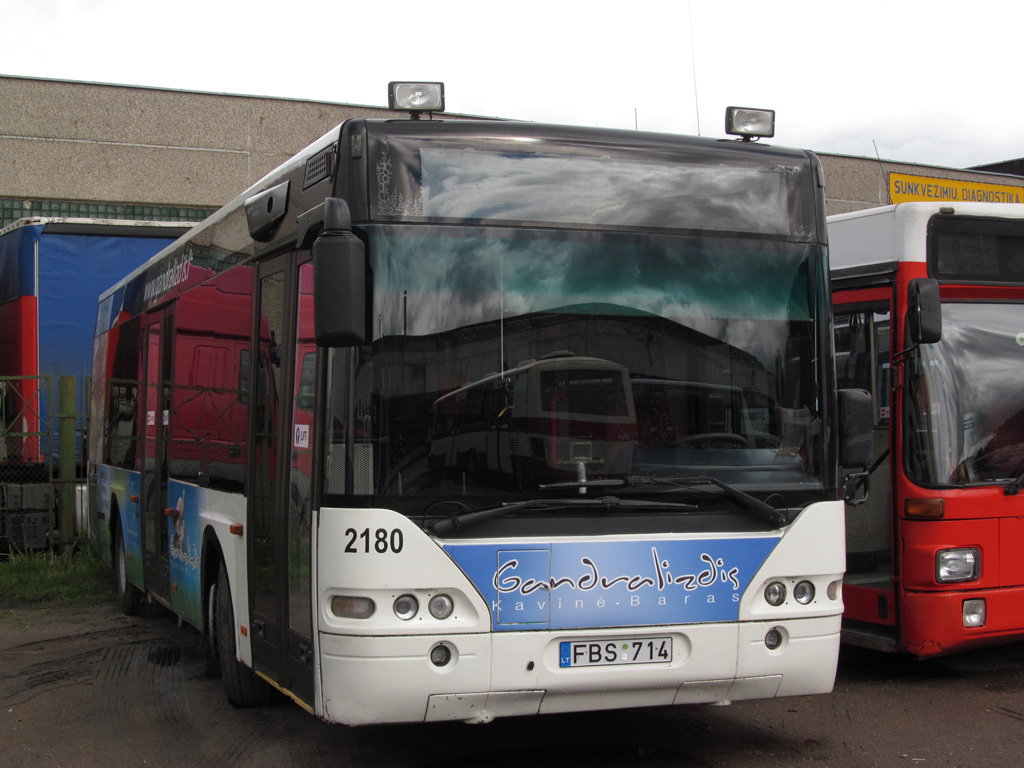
<point x="241" y="684"/>
<point x="128" y="595"/>
<point x="212" y="644"/>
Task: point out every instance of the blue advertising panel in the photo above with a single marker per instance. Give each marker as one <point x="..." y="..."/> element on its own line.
<point x="566" y="585"/>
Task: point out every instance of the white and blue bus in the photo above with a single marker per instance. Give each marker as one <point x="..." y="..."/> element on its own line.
<point x="267" y="460"/>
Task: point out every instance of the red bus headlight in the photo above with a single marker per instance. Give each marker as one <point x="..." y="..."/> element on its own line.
<point x="953" y="566"/>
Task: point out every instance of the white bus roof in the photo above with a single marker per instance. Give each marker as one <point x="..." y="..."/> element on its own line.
<point x="897" y="232"/>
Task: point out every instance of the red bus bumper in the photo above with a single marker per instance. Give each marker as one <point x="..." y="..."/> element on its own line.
<point x="933" y="622"/>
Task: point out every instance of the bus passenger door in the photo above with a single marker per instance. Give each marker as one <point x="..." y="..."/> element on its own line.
<point x="298" y="505"/>
<point x="154" y="418"/>
<point x="863" y="359"/>
<point x="280" y="536"/>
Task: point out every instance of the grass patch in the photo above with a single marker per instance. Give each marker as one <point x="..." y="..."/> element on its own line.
<point x="76" y="576"/>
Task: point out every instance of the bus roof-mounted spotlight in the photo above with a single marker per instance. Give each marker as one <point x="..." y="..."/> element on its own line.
<point x="750" y="123"/>
<point x="416" y="97"/>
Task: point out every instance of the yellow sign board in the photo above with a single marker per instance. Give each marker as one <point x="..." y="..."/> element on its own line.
<point x="906" y="189"/>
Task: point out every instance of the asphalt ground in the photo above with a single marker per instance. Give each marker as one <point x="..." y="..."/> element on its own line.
<point x="86" y="686"/>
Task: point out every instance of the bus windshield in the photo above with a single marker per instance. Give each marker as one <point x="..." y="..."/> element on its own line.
<point x="964" y="420"/>
<point x="511" y="363"/>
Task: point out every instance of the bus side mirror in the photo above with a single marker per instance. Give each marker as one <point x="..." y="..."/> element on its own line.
<point x="339" y="280"/>
<point x="924" y="311"/>
<point x="855" y="424"/>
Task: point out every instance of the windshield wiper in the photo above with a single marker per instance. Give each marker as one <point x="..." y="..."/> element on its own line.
<point x="1012" y="489"/>
<point x="450" y="524"/>
<point x="745" y="500"/>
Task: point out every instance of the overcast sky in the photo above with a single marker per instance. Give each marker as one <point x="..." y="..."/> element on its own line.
<point x="923" y="82"/>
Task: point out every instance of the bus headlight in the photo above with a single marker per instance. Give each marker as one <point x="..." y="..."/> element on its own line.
<point x="803" y="592"/>
<point x="441" y="606"/>
<point x="957" y="565"/>
<point x="352" y="607"/>
<point x="406" y="607"/>
<point x="775" y="593"/>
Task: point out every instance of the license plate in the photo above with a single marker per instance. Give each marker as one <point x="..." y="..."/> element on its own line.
<point x="604" y="653"/>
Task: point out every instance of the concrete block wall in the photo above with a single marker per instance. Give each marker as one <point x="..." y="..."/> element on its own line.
<point x="63" y="140"/>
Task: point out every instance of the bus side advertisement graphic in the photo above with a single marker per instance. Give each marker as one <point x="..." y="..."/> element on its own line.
<point x="123" y="485"/>
<point x="183" y="531"/>
<point x="565" y="585"/>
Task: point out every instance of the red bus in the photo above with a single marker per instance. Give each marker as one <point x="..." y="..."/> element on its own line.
<point x="929" y="317"/>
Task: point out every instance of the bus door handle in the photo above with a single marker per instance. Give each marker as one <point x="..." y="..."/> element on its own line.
<point x="305" y="654"/>
<point x="260" y="628"/>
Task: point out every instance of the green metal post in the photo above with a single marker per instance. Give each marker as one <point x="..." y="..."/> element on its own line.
<point x="66" y="476"/>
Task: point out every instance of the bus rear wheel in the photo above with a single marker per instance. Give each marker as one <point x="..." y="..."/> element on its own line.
<point x="244" y="687"/>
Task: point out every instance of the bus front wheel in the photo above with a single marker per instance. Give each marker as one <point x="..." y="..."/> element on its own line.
<point x="243" y="687"/>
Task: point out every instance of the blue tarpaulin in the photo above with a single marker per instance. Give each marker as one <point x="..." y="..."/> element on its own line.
<point x="73" y="270"/>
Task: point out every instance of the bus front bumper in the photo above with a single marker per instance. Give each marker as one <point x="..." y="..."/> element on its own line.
<point x="933" y="622"/>
<point x="392" y="679"/>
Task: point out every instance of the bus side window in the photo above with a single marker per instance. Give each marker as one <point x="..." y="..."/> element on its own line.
<point x="122" y="406"/>
<point x="208" y="426"/>
<point x="862" y="356"/>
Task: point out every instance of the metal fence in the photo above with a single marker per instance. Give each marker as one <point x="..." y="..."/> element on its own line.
<point x="43" y="431"/>
<point x="12" y="209"/>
